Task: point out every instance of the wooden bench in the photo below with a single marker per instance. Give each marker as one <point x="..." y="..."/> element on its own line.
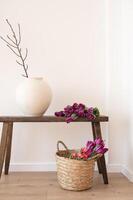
<point x="7" y="130"/>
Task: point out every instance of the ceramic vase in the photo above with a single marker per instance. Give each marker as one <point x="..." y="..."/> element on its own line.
<point x="33" y="96"/>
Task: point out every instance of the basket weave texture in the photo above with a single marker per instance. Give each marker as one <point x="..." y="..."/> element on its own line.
<point x="73" y="174"/>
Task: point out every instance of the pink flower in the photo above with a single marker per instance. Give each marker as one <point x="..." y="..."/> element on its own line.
<point x="80" y="155"/>
<point x="85" y="156"/>
<point x="74" y="155"/>
<point x="83" y="150"/>
<point x="86" y="152"/>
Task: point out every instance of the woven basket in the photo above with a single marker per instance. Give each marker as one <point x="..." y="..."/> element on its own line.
<point x="74" y="174"/>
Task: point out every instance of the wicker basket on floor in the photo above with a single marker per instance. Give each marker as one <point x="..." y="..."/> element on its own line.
<point x="74" y="174"/>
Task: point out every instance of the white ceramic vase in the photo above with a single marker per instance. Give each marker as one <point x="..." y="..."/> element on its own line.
<point x="33" y="96"/>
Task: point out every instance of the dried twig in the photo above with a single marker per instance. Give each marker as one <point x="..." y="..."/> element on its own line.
<point x="11" y="39"/>
<point x="12" y="50"/>
<point x="14" y="45"/>
<point x="7" y="42"/>
<point x="19" y="34"/>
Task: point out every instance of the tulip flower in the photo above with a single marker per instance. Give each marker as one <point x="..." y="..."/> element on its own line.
<point x="69" y="119"/>
<point x="92" y="148"/>
<point x="101" y="150"/>
<point x="60" y="114"/>
<point x="80" y="155"/>
<point x="79" y="110"/>
<point x="74" y="155"/>
<point x="90" y="145"/>
<point x="99" y="141"/>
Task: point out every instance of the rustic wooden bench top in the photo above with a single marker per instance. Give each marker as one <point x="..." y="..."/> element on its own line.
<point x="47" y="119"/>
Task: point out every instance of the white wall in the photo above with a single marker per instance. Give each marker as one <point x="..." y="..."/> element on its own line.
<point x="128" y="50"/>
<point x="116" y="101"/>
<point x="80" y="47"/>
<point x="66" y="42"/>
<point x="120" y="86"/>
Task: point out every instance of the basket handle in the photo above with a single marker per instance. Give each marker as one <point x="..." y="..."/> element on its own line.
<point x="96" y="157"/>
<point x="60" y="142"/>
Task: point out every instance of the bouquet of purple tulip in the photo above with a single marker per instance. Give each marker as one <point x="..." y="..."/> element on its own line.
<point x="78" y="110"/>
<point x="91" y="149"/>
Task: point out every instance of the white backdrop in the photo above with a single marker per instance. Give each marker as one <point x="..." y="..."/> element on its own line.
<point x="76" y="45"/>
<point x="120" y="45"/>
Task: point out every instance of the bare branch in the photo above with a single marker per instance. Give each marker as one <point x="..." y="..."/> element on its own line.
<point x="7" y="42"/>
<point x="19" y="34"/>
<point x="26" y="54"/>
<point x="16" y="44"/>
<point x="12" y="50"/>
<point x="19" y="63"/>
<point x="14" y="35"/>
<point x="11" y="40"/>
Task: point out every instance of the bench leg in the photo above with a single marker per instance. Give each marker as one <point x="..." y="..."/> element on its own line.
<point x="98" y="161"/>
<point x="101" y="161"/>
<point x="9" y="145"/>
<point x="3" y="145"/>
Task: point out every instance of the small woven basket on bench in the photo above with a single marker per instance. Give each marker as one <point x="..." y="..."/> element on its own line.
<point x="74" y="174"/>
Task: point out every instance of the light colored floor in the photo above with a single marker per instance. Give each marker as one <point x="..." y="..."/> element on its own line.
<point x="43" y="186"/>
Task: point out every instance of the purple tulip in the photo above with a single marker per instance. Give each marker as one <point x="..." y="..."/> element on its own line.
<point x="81" y="106"/>
<point x="75" y="106"/>
<point x="99" y="141"/>
<point x="105" y="150"/>
<point x="90" y="111"/>
<point x="69" y="119"/>
<point x="98" y="148"/>
<point x="78" y="110"/>
<point x="67" y="108"/>
<point x="60" y="114"/>
<point x="88" y="153"/>
<point x="80" y="113"/>
<point x="102" y="150"/>
<point x="68" y="111"/>
<point x="90" y="145"/>
<point x="90" y="116"/>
